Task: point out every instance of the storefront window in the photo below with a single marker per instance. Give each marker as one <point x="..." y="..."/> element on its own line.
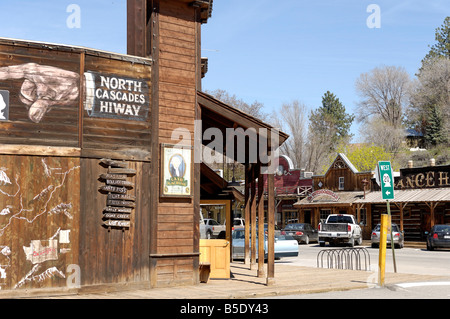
<point x="324" y="214"/>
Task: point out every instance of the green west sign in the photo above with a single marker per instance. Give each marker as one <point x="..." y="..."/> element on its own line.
<point x="386" y="180"/>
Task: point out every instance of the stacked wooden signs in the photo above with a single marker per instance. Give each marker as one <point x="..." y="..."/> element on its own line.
<point x="119" y="204"/>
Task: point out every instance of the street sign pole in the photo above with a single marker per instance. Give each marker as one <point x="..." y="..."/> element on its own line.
<point x="386" y="180"/>
<point x="392" y="238"/>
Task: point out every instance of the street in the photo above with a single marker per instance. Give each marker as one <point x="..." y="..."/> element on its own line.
<point x="409" y="260"/>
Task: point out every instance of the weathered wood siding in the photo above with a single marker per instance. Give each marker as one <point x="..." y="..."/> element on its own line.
<point x="59" y="127"/>
<point x="25" y="70"/>
<point x="50" y="169"/>
<point x="113" y="256"/>
<point x="39" y="204"/>
<point x="116" y="134"/>
<point x="178" y="62"/>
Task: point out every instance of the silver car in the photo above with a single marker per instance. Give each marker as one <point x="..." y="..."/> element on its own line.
<point x="399" y="240"/>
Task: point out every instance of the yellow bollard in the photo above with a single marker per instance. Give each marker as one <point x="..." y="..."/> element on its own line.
<point x="382" y="253"/>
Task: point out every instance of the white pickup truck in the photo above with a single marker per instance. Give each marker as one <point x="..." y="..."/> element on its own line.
<point x="340" y="228"/>
<point x="213" y="228"/>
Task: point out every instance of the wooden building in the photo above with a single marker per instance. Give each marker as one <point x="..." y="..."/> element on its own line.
<point x="91" y="197"/>
<point x="336" y="192"/>
<point x="291" y="184"/>
<point x="422" y="197"/>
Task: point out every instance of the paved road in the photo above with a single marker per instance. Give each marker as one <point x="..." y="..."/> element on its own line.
<point x="409" y="261"/>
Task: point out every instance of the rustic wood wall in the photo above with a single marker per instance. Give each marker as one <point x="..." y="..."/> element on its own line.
<point x="40" y="213"/>
<point x="114" y="255"/>
<point x="173" y="261"/>
<point x="416" y="218"/>
<point x="50" y="169"/>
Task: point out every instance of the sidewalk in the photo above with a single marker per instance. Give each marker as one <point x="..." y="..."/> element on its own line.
<point x="244" y="284"/>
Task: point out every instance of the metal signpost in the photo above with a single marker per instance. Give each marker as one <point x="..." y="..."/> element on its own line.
<point x="386" y="181"/>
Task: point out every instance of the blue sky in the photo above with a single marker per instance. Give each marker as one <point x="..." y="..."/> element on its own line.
<point x="270" y="51"/>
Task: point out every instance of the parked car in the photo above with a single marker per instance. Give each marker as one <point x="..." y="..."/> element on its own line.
<point x="237" y="223"/>
<point x="399" y="240"/>
<point x="438" y="237"/>
<point x="340" y="228"/>
<point x="202" y="227"/>
<point x="213" y="228"/>
<point x="302" y="232"/>
<point x="285" y="246"/>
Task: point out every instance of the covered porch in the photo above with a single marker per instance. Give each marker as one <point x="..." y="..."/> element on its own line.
<point x="241" y="138"/>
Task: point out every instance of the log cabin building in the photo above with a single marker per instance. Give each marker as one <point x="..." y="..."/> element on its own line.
<point x="422" y="197"/>
<point x="92" y="194"/>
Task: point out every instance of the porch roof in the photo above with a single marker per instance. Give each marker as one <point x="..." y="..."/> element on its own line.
<point x="345" y="199"/>
<point x="409" y="195"/>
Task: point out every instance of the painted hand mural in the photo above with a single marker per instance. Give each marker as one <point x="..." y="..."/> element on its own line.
<point x="43" y="87"/>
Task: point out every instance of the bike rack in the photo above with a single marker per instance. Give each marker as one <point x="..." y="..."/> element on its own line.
<point x="345" y="258"/>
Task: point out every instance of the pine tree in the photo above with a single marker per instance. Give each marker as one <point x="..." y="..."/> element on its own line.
<point x="441" y="49"/>
<point x="333" y="113"/>
<point x="434" y="133"/>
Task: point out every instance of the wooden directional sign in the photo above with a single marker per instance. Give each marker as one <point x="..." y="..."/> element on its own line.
<point x="117" y="223"/>
<point x="109" y="162"/>
<point x="114" y="176"/>
<point x="116" y="182"/>
<point x="120" y="203"/>
<point x="124" y="171"/>
<point x="113" y="189"/>
<point x="386" y="180"/>
<point x="116" y="216"/>
<point x="123" y="210"/>
<point x="122" y="197"/>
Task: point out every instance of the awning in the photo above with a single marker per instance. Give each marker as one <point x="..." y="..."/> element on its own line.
<point x="410" y="195"/>
<point x="344" y="199"/>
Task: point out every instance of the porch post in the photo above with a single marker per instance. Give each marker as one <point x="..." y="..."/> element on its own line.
<point x="260" y="223"/>
<point x="271" y="230"/>
<point x="247" y="216"/>
<point x="253" y="217"/>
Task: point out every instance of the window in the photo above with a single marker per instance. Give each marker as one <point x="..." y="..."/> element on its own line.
<point x="363" y="216"/>
<point x="324" y="214"/>
<point x="341" y="183"/>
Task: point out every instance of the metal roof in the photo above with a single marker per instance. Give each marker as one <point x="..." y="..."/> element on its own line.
<point x="410" y="195"/>
<point x="345" y="199"/>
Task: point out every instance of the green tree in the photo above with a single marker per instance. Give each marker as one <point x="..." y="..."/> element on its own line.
<point x="331" y="116"/>
<point x="363" y="156"/>
<point x="442" y="46"/>
<point x="434" y="133"/>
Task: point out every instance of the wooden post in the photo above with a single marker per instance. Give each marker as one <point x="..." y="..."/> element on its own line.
<point x="247" y="217"/>
<point x="270" y="230"/>
<point x="253" y="217"/>
<point x="432" y="206"/>
<point x="401" y="207"/>
<point x="260" y="223"/>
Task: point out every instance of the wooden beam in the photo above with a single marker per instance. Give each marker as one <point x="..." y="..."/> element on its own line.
<point x="270" y="230"/>
<point x="253" y="217"/>
<point x="247" y="216"/>
<point x="401" y="206"/>
<point x="261" y="272"/>
<point x="12" y="149"/>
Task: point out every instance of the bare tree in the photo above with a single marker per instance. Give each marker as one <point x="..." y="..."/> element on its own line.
<point x="291" y="119"/>
<point x="384" y="93"/>
<point x="431" y="90"/>
<point x="256" y="109"/>
<point x="381" y="133"/>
